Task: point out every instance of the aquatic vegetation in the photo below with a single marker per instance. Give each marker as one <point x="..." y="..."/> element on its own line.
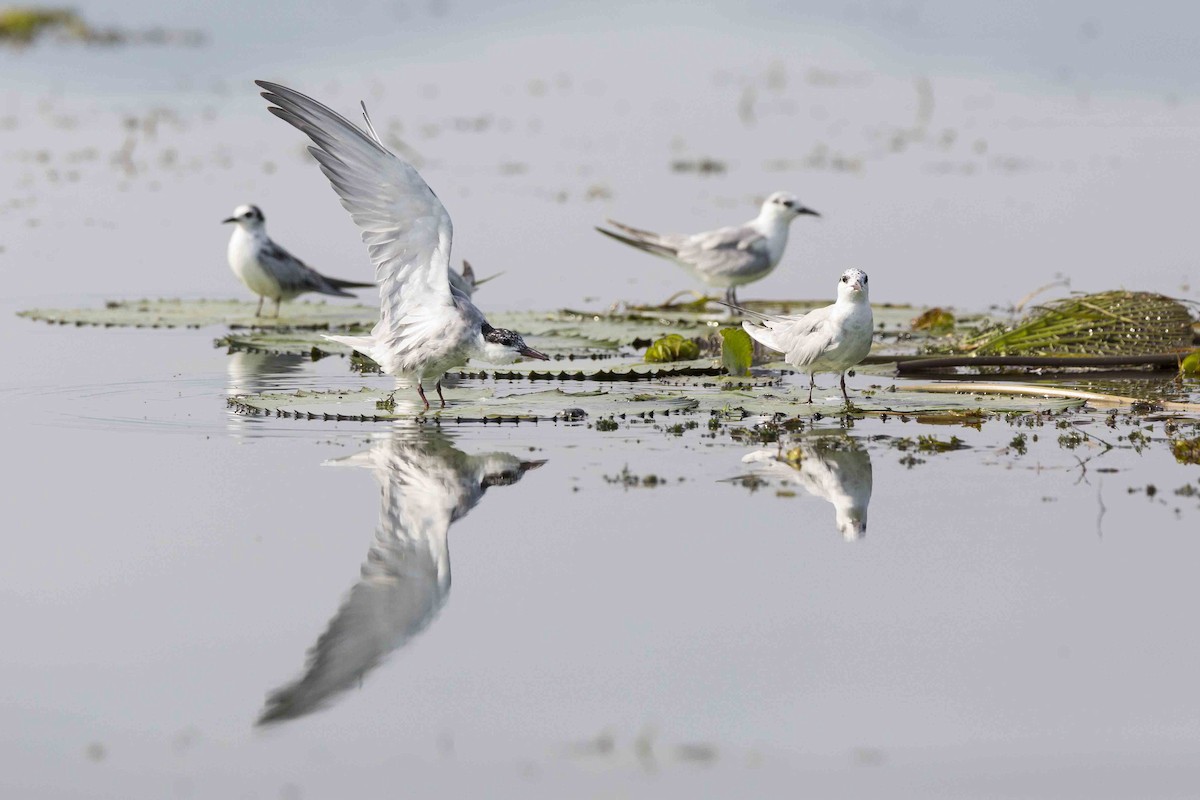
<point x="672" y="347"/>
<point x="737" y="351"/>
<point x="168" y="313"/>
<point x="21" y="26"/>
<point x="1186" y="451"/>
<point x="926" y="444"/>
<point x="1190" y="364"/>
<point x="631" y="481"/>
<point x="937" y="321"/>
<point x="1108" y="323"/>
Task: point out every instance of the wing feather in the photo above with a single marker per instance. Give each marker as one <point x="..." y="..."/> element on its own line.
<point x="406" y="228"/>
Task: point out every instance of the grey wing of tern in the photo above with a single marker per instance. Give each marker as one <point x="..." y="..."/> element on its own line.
<point x="726" y="257"/>
<point x="426" y="484"/>
<point x="295" y="277"/>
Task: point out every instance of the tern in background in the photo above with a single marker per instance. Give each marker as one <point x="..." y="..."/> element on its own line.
<point x="426" y="485"/>
<point x="270" y="271"/>
<point x="425" y="328"/>
<point x="830" y="339"/>
<point x="834" y="468"/>
<point x="727" y="257"/>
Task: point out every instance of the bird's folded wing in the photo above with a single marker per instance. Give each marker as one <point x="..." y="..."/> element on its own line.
<point x="724" y="250"/>
<point x="292" y="273"/>
<point x="804" y="340"/>
<point x="405" y="227"/>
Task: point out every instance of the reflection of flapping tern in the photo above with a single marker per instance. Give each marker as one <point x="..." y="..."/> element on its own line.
<point x="270" y="271"/>
<point x="834" y="469"/>
<point x="427" y="485"/>
<point x="727" y="257"/>
<point x="425" y="328"/>
<point x="830" y="339"/>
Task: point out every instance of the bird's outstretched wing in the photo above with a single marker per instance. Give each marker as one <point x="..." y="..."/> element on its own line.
<point x="405" y="227"/>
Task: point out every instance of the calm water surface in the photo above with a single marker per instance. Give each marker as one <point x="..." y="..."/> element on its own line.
<point x="517" y="610"/>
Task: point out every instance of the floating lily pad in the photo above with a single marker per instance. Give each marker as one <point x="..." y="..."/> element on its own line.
<point x="202" y="313"/>
<point x="584" y="369"/>
<point x="466" y="405"/>
<point x="720" y="399"/>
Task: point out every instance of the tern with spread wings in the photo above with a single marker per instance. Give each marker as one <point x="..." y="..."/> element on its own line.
<point x="425" y="327"/>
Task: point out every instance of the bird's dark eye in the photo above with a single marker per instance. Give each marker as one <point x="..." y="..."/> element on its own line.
<point x="845" y="279"/>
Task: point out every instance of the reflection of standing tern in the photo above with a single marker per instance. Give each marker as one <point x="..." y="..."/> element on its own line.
<point x="835" y="469"/>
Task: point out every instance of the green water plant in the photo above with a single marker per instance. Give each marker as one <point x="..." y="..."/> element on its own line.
<point x="1186" y="451"/>
<point x="672" y="347"/>
<point x="737" y="351"/>
<point x="1190" y="364"/>
<point x="22" y="25"/>
<point x="1108" y="323"/>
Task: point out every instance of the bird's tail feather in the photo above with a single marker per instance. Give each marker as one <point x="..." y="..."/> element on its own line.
<point x="360" y="344"/>
<point x="762" y="335"/>
<point x="649" y="247"/>
<point x="638" y="232"/>
<point x="745" y="311"/>
<point x="338" y="283"/>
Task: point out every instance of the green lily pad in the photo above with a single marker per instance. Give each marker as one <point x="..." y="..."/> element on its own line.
<point x="202" y="313"/>
<point x="313" y="342"/>
<point x="721" y="399"/>
<point x="588" y="370"/>
<point x="466" y="405"/>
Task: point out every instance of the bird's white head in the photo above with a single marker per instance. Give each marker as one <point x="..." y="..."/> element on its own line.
<point x="502" y="346"/>
<point x="853" y="286"/>
<point x="247" y="217"/>
<point x="785" y="206"/>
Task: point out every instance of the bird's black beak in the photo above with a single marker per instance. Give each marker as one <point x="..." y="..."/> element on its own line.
<point x="229" y="219"/>
<point x="529" y="352"/>
<point x="809" y="211"/>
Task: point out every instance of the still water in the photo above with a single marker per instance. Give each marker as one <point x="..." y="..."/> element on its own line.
<point x="203" y="604"/>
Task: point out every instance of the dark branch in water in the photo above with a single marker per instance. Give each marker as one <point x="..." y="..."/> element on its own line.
<point x="922" y="363"/>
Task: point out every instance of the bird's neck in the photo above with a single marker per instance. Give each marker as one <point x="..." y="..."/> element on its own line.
<point x="258" y="234"/>
<point x="770" y="223"/>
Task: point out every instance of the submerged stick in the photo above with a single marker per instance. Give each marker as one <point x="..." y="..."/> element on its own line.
<point x="1104" y="400"/>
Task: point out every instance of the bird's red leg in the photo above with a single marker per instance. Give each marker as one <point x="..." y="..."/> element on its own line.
<point x="812" y="382"/>
<point x="440" y="397"/>
<point x="258" y="311"/>
<point x="421" y="391"/>
<point x="845" y="396"/>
